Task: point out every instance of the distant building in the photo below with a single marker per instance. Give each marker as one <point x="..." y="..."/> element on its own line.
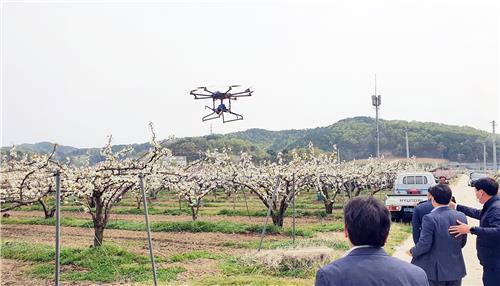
<point x="177" y="160"/>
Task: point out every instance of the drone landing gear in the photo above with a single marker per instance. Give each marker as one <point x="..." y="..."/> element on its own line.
<point x="217" y="114"/>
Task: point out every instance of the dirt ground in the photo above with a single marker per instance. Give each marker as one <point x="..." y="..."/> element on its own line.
<point x="165" y="245"/>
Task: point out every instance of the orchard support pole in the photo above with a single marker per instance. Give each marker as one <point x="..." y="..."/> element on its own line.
<point x="58" y="228"/>
<point x="146" y="215"/>
<point x="246" y="203"/>
<point x="293" y="206"/>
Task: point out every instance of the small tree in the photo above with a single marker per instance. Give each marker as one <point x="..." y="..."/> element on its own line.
<point x="294" y="176"/>
<point x="27" y="179"/>
<point x="196" y="180"/>
<point x="102" y="186"/>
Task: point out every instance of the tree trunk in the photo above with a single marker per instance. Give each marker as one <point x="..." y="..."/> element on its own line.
<point x="138" y="201"/>
<point x="328" y="207"/>
<point x="277" y="218"/>
<point x="194" y="212"/>
<point x="154" y="194"/>
<point x="99" y="218"/>
<point x="99" y="234"/>
<point x="234" y="201"/>
<point x="358" y="192"/>
<point x="48" y="212"/>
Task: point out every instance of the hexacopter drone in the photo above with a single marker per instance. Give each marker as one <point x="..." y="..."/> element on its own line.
<point x="203" y="93"/>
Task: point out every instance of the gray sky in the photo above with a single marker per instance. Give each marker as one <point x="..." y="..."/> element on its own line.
<point x="73" y="72"/>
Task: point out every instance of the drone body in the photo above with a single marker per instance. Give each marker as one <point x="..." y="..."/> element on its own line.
<point x="219" y="109"/>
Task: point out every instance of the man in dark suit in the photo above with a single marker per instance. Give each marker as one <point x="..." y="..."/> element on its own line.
<point x="438" y="252"/>
<point x="421" y="209"/>
<point x="366" y="225"/>
<point x="488" y="232"/>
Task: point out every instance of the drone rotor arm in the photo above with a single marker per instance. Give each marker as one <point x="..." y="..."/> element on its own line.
<point x="201" y="96"/>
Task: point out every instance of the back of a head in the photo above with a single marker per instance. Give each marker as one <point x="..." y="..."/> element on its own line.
<point x="441" y="193"/>
<point x="367" y="220"/>
<point x="488" y="185"/>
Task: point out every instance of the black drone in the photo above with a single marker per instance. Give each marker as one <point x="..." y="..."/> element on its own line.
<point x="203" y="93"/>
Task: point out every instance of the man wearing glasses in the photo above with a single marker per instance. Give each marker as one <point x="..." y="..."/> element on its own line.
<point x="488" y="232"/>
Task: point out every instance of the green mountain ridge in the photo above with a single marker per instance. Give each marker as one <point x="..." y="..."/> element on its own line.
<point x="354" y="137"/>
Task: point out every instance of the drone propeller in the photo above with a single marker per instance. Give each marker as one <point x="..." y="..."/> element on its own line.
<point x="235" y="85"/>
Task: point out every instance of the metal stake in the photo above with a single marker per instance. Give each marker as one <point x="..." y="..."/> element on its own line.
<point x="246" y="203"/>
<point x="58" y="228"/>
<point x="293" y="206"/>
<point x="146" y="215"/>
<point x="269" y="212"/>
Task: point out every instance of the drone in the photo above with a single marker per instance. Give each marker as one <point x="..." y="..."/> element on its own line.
<point x="218" y="111"/>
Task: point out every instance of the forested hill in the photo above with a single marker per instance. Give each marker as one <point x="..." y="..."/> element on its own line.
<point x="354" y="137"/>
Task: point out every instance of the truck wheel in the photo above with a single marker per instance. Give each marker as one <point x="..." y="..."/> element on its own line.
<point x="407" y="217"/>
<point x="396" y="216"/>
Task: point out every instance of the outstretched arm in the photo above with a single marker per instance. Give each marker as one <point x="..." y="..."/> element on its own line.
<point x="491" y="232"/>
<point x="470" y="212"/>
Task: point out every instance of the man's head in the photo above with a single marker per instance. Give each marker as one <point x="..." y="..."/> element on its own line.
<point x="485" y="189"/>
<point x="367" y="221"/>
<point x="442" y="179"/>
<point x="440" y="195"/>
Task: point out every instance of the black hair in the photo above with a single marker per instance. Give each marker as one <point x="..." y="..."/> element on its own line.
<point x="441" y="194"/>
<point x="488" y="185"/>
<point x="367" y="220"/>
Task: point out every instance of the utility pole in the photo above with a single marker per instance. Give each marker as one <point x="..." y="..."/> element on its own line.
<point x="484" y="156"/>
<point x="495" y="167"/>
<point x="407" y="146"/>
<point x="377" y="101"/>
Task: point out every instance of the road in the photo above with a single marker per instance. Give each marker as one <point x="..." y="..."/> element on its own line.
<point x="464" y="195"/>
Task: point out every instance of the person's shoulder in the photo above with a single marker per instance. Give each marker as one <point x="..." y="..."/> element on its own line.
<point x="495" y="207"/>
<point x="496" y="204"/>
<point x="335" y="265"/>
<point x="333" y="268"/>
<point x="408" y="268"/>
<point x="458" y="213"/>
<point x="423" y="205"/>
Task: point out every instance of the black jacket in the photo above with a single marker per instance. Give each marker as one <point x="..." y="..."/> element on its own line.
<point x="488" y="232"/>
<point x="420" y="210"/>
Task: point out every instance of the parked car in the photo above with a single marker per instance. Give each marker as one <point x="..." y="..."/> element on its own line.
<point x="474" y="176"/>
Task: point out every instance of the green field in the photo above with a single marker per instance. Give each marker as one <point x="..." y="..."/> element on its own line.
<point x="217" y="249"/>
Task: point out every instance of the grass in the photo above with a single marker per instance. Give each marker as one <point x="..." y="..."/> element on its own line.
<point x="181" y="226"/>
<point x="152" y="211"/>
<point x="288" y="213"/>
<point x="193" y="255"/>
<point x="125" y="267"/>
<point x="254" y="280"/>
<point x="399" y="232"/>
<point x="108" y="263"/>
<point x="287" y="244"/>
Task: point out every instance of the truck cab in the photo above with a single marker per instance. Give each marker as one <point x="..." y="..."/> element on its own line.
<point x="410" y="188"/>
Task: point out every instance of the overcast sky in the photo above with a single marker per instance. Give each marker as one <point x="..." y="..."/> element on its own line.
<point x="75" y="72"/>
